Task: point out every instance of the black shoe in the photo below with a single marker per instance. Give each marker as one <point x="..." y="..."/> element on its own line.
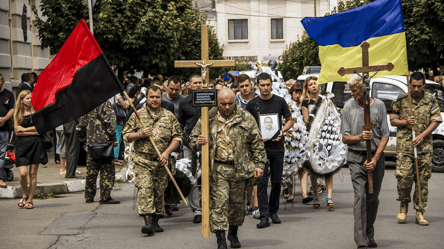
<point x="169" y="210"/>
<point x="109" y="201"/>
<point x="89" y="200"/>
<point x="155" y="225"/>
<point x="372" y="243"/>
<point x="232" y="237"/>
<point x="175" y="207"/>
<point x="275" y="219"/>
<point x="221" y="242"/>
<point x="197" y="218"/>
<point x="362" y="247"/>
<point x="263" y="224"/>
<point x="307" y="199"/>
<point x="148" y="228"/>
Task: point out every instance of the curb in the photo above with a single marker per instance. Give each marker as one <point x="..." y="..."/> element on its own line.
<point x="12" y="192"/>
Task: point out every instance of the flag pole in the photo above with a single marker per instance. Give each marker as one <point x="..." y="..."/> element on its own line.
<point x="415" y="150"/>
<point x="155" y="148"/>
<point x="90" y="16"/>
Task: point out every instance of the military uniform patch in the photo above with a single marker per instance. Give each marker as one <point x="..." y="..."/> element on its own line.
<point x="435" y="110"/>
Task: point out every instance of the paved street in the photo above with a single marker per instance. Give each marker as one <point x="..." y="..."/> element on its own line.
<point x="68" y="222"/>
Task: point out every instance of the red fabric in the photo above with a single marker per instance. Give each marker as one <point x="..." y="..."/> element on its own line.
<point x="11" y="155"/>
<point x="79" y="49"/>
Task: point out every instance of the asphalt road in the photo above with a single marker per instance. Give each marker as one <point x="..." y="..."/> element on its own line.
<point x="68" y="222"/>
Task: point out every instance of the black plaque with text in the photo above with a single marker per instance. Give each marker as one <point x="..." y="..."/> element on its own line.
<point x="205" y="97"/>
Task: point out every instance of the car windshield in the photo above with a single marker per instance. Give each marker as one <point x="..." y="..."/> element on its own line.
<point x="438" y="92"/>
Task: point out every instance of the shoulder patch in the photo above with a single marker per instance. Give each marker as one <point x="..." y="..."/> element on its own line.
<point x="432" y="98"/>
<point x="401" y="96"/>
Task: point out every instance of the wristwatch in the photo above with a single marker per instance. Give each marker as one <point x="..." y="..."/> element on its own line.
<point x="360" y="137"/>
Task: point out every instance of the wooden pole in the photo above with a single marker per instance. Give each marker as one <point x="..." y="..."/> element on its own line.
<point x="205" y="148"/>
<point x="155" y="147"/>
<point x="368" y="127"/>
<point x="415" y="150"/>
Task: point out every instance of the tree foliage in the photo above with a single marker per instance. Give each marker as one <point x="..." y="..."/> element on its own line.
<point x="299" y="54"/>
<point x="423" y="21"/>
<point x="134" y="34"/>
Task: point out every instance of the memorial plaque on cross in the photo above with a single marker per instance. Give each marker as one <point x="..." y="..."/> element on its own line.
<point x="364" y="70"/>
<point x="205" y="63"/>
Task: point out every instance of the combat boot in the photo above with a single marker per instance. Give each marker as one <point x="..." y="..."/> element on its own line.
<point x="156" y="226"/>
<point x="221" y="242"/>
<point x="402" y="215"/>
<point x="232" y="237"/>
<point x="148" y="228"/>
<point x="420" y="220"/>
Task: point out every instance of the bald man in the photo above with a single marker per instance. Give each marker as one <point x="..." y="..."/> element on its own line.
<point x="237" y="154"/>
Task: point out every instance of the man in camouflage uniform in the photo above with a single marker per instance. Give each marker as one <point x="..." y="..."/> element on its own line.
<point x="426" y="117"/>
<point x="151" y="175"/>
<point x="98" y="126"/>
<point x="237" y="154"/>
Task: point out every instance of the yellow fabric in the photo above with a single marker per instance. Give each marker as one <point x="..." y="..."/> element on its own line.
<point x="382" y="50"/>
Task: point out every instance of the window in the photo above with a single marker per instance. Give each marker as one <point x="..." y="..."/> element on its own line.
<point x="388" y="93"/>
<point x="277" y="29"/>
<point x="238" y="29"/>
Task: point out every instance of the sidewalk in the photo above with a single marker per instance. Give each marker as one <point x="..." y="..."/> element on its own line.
<point x="49" y="180"/>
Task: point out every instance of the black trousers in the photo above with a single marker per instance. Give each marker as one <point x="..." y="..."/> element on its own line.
<point x="72" y="145"/>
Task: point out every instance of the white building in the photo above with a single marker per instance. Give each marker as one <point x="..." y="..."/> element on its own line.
<point x="254" y="30"/>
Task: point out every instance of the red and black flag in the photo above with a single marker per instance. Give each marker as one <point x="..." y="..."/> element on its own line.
<point x="76" y="81"/>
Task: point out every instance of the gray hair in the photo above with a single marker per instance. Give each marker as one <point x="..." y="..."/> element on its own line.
<point x="355" y="80"/>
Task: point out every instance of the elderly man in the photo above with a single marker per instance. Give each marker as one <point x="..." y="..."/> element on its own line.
<point x="426" y="117"/>
<point x="353" y="134"/>
<point x="151" y="175"/>
<point x="237" y="155"/>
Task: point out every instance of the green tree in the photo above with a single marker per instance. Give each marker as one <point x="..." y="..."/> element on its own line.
<point x="135" y="34"/>
<point x="299" y="54"/>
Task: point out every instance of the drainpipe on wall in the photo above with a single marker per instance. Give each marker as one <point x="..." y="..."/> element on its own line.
<point x="11" y="69"/>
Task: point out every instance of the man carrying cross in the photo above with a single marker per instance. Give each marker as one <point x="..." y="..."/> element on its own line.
<point x="426" y="117"/>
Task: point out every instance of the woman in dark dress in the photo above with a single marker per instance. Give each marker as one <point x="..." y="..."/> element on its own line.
<point x="28" y="148"/>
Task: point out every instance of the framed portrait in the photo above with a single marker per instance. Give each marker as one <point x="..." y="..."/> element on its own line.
<point x="269" y="125"/>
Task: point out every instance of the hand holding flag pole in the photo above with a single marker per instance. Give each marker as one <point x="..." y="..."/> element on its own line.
<point x="415" y="150"/>
<point x="155" y="147"/>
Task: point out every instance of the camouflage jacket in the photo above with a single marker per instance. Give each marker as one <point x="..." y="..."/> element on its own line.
<point x="98" y="126"/>
<point x="164" y="129"/>
<point x="425" y="112"/>
<point x="248" y="146"/>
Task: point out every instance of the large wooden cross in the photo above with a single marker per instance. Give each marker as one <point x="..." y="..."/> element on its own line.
<point x="365" y="69"/>
<point x="205" y="65"/>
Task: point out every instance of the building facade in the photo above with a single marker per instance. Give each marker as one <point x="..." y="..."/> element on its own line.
<point x="255" y="30"/>
<point x="20" y="50"/>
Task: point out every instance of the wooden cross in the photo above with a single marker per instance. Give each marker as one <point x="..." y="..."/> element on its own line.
<point x="205" y="65"/>
<point x="365" y="69"/>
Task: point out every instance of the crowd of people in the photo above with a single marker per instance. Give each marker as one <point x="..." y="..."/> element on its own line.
<point x="242" y="162"/>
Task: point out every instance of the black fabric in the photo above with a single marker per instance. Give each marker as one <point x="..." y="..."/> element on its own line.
<point x="25" y="87"/>
<point x="120" y="113"/>
<point x="72" y="147"/>
<point x="29" y="149"/>
<point x="101" y="152"/>
<point x="307" y="103"/>
<point x="46" y="140"/>
<point x="92" y="85"/>
<point x="275" y="104"/>
<point x="7" y="102"/>
<point x="188" y="114"/>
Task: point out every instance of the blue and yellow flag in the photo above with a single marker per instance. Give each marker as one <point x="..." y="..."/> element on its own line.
<point x="380" y="23"/>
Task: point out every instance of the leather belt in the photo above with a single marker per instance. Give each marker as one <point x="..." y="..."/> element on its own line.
<point x="221" y="162"/>
<point x="360" y="152"/>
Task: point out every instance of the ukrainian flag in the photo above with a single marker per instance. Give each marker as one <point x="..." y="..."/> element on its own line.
<point x="339" y="36"/>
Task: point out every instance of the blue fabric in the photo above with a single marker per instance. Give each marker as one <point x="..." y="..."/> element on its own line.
<point x="351" y="28"/>
<point x="4" y="139"/>
<point x="270" y="206"/>
<point x="118" y="136"/>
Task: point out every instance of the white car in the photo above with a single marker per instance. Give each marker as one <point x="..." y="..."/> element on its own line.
<point x="387" y="89"/>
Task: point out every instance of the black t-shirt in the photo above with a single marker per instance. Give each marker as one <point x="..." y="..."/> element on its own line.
<point x="275" y="104"/>
<point x="7" y="102"/>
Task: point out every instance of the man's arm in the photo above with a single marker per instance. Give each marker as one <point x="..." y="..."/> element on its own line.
<point x="7" y="117"/>
<point x="372" y="164"/>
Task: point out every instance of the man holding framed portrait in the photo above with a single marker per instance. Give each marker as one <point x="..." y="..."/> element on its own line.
<point x="269" y="110"/>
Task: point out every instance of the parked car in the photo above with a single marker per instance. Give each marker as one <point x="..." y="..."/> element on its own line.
<point x="311" y="70"/>
<point x="387" y="89"/>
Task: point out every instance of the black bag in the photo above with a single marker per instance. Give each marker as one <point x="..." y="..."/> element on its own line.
<point x="46" y="140"/>
<point x="101" y="152"/>
<point x="120" y="113"/>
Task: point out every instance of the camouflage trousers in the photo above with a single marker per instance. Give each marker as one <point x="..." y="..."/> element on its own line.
<point x="107" y="178"/>
<point x="406" y="175"/>
<point x="227" y="198"/>
<point x="152" y="180"/>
